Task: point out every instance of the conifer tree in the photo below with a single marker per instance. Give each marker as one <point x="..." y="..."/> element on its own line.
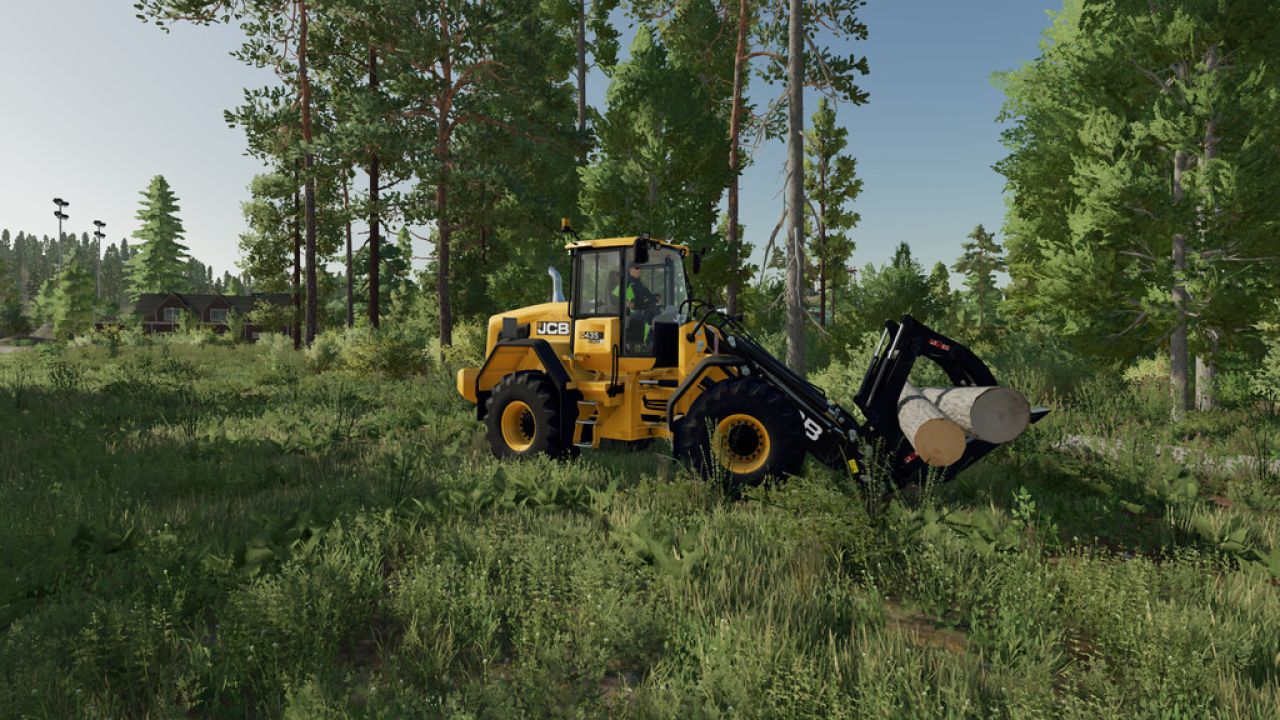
<point x="891" y="290"/>
<point x="831" y="183"/>
<point x="981" y="260"/>
<point x="72" y="300"/>
<point x="662" y="164"/>
<point x="160" y="263"/>
<point x="1141" y="163"/>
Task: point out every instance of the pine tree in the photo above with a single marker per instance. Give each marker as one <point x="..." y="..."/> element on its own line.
<point x="10" y="306"/>
<point x="942" y="299"/>
<point x="111" y="275"/>
<point x="1140" y="163"/>
<point x="72" y="300"/>
<point x="662" y="163"/>
<point x="981" y="260"/>
<point x="894" y="289"/>
<point x="160" y="263"/>
<point x="831" y="183"/>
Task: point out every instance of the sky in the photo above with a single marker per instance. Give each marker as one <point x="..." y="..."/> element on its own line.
<point x="94" y="103"/>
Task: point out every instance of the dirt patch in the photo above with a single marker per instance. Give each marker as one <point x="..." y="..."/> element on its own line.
<point x="925" y="631"/>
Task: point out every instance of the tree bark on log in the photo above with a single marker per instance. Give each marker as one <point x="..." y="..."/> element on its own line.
<point x="991" y="414"/>
<point x="937" y="439"/>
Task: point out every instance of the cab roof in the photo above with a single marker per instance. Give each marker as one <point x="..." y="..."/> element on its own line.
<point x="623" y="242"/>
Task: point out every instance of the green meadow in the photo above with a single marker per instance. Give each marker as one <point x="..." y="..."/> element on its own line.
<point x="198" y="530"/>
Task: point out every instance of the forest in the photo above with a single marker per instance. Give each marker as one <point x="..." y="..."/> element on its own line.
<point x="315" y="527"/>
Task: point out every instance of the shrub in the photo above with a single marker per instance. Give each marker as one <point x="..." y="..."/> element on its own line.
<point x="1265" y="380"/>
<point x="236" y="324"/>
<point x="1151" y="369"/>
<point x="392" y="350"/>
<point x="325" y="352"/>
<point x="469" y="337"/>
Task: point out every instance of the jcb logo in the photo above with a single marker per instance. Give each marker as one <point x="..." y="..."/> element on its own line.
<point x="553" y="328"/>
<point x="812" y="430"/>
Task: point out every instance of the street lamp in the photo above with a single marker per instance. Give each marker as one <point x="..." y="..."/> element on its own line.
<point x="61" y="216"/>
<point x="97" y="258"/>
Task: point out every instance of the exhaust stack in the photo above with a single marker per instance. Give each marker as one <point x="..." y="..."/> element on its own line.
<point x="557" y="285"/>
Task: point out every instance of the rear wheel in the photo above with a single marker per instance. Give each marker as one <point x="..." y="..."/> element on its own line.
<point x="741" y="431"/>
<point x="522" y="417"/>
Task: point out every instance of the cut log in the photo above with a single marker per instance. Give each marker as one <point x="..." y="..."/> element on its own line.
<point x="993" y="414"/>
<point x="937" y="439"/>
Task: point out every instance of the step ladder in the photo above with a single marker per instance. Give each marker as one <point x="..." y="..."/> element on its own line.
<point x="584" y="431"/>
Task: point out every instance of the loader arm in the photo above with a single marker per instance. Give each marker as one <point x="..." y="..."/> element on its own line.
<point x="901" y="344"/>
<point x="833" y="434"/>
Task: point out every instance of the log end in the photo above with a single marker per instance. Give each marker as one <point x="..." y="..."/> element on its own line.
<point x="939" y="442"/>
<point x="1000" y="414"/>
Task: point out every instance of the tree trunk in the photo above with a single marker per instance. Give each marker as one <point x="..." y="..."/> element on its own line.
<point x="733" y="239"/>
<point x="375" y="222"/>
<point x="1206" y="369"/>
<point x="822" y="280"/>
<point x="582" y="72"/>
<point x="443" y="232"/>
<point x="937" y="439"/>
<point x="297" y="265"/>
<point x="795" y="189"/>
<point x="443" y="229"/>
<point x="308" y="161"/>
<point x="1207" y="375"/>
<point x="822" y="257"/>
<point x="994" y="414"/>
<point x="1178" y="378"/>
<point x="351" y="302"/>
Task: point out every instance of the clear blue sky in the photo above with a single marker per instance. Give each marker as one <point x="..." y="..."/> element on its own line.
<point x="94" y="102"/>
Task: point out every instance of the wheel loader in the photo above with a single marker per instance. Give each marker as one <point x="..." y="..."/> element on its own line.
<point x="631" y="356"/>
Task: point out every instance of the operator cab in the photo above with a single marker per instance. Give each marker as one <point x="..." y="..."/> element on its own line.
<point x="641" y="283"/>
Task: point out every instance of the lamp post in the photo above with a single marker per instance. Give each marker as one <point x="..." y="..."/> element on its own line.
<point x="61" y="216"/>
<point x="97" y="258"/>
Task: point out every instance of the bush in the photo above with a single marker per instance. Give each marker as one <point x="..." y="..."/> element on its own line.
<point x="392" y="350"/>
<point x="326" y="350"/>
<point x="843" y="375"/>
<point x="1151" y="369"/>
<point x="1266" y="379"/>
<point x="469" y="338"/>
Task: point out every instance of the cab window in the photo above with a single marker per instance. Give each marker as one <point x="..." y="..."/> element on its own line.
<point x="654" y="292"/>
<point x="596" y="288"/>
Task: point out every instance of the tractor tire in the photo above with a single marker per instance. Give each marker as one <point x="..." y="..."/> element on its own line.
<point x="522" y="417"/>
<point x="740" y="432"/>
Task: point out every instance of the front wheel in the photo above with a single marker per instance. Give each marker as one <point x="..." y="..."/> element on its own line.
<point x="522" y="417"/>
<point x="741" y="431"/>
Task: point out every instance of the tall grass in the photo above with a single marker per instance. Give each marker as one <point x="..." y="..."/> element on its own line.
<point x="217" y="531"/>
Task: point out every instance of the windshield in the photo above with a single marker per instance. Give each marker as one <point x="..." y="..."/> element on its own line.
<point x="661" y="280"/>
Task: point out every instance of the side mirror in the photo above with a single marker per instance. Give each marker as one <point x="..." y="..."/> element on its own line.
<point x="697" y="263"/>
<point x="642" y="251"/>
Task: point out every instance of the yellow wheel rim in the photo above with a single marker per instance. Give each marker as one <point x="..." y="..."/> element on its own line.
<point x="741" y="444"/>
<point x="518" y="425"/>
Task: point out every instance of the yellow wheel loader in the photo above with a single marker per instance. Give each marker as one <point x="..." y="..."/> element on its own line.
<point x="631" y="356"/>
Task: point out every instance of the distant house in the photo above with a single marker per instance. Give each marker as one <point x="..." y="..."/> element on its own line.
<point x="163" y="312"/>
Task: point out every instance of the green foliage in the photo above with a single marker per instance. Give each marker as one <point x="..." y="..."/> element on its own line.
<point x="159" y="265"/>
<point x="980" y="261"/>
<point x="1119" y="93"/>
<point x="71" y="304"/>
<point x="663" y="160"/>
<point x="831" y="183"/>
<point x="891" y="290"/>
<point x="224" y="532"/>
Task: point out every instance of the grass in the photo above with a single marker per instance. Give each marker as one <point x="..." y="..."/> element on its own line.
<point x="221" y="532"/>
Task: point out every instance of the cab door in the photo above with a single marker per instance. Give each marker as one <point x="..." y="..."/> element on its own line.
<point x="597" y="307"/>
